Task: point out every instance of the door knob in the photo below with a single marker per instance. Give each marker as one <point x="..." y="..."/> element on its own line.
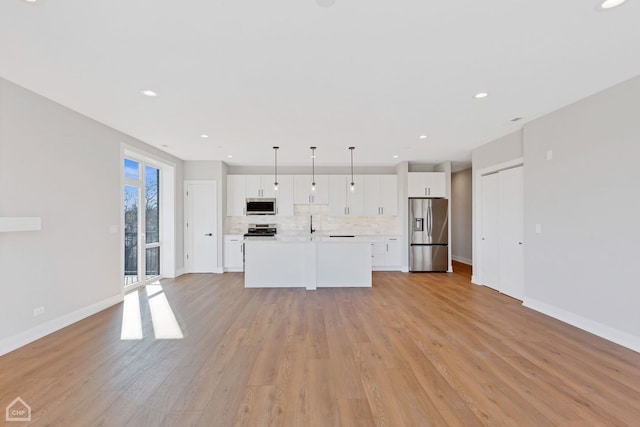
<point x="519" y="243"/>
<point x="209" y="234"/>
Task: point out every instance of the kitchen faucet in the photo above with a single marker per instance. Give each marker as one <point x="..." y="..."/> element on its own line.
<point x="313" y="230"/>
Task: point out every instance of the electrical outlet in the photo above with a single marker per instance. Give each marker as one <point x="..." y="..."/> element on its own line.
<point x="549" y="154"/>
<point x="538" y="228"/>
<point x="38" y="311"/>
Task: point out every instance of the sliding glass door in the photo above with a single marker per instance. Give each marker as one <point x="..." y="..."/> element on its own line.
<point x="141" y="222"/>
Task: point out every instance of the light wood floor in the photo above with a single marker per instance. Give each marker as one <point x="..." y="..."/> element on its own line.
<point x="415" y="350"/>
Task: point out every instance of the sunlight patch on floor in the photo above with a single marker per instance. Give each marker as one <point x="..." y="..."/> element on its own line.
<point x="163" y="319"/>
<point x="165" y="324"/>
<point x="131" y="319"/>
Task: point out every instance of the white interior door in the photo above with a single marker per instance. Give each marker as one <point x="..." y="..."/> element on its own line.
<point x="511" y="202"/>
<point x="490" y="232"/>
<point x="200" y="229"/>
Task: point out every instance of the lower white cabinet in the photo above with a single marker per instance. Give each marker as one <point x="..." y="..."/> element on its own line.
<point x="385" y="253"/>
<point x="233" y="252"/>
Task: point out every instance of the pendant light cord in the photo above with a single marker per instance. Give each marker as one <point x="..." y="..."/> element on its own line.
<point x="313" y="168"/>
<point x="275" y="173"/>
<point x="352" y="183"/>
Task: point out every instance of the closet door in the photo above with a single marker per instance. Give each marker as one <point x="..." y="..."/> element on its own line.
<point x="511" y="234"/>
<point x="490" y="232"/>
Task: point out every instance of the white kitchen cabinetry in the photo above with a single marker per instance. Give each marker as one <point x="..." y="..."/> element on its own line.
<point x="284" y="196"/>
<point x="381" y="196"/>
<point x="427" y="184"/>
<point x="233" y="252"/>
<point x="259" y="186"/>
<point x="236" y="195"/>
<point x="343" y="201"/>
<point x="302" y="194"/>
<point x="241" y="187"/>
<point x="385" y="253"/>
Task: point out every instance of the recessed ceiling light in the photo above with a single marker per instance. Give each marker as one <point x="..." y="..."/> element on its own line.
<point x="480" y="95"/>
<point x="30" y="1"/>
<point x="423" y="136"/>
<point x="395" y="156"/>
<point x="229" y="156"/>
<point x="610" y="4"/>
<point x="148" y="92"/>
<point x="204" y="136"/>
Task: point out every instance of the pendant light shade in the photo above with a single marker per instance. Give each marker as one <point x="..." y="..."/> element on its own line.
<point x="275" y="169"/>
<point x="353" y="184"/>
<point x="313" y="168"/>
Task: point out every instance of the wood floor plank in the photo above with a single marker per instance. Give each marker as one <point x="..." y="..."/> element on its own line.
<point x="415" y="349"/>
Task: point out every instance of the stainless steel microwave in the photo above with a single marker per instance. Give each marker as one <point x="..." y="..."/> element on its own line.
<point x="261" y="207"/>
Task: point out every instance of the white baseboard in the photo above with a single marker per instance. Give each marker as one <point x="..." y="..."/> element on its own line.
<point x="23" y="338"/>
<point x="387" y="268"/>
<point x="612" y="334"/>
<point x="474" y="280"/>
<point x="462" y="260"/>
<point x="179" y="272"/>
<point x="233" y="270"/>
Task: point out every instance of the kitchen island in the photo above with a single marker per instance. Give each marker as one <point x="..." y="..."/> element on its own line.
<point x="308" y="262"/>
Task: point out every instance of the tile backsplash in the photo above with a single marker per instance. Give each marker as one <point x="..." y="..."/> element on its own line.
<point x="322" y="222"/>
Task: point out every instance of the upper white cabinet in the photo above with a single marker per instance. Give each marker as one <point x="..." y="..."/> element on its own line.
<point x="261" y="186"/>
<point x="302" y="194"/>
<point x="427" y="184"/>
<point x="343" y="201"/>
<point x="236" y="195"/>
<point x="284" y="195"/>
<point x="241" y="187"/>
<point x="381" y="196"/>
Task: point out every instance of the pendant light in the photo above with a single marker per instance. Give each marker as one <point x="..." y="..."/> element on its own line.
<point x="353" y="184"/>
<point x="275" y="171"/>
<point x="313" y="168"/>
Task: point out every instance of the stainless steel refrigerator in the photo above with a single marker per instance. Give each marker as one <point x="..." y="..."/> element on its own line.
<point x="428" y="234"/>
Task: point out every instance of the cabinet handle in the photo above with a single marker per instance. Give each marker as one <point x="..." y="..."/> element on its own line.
<point x="387" y="247"/>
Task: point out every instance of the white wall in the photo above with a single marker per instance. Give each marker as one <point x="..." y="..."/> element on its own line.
<point x="461" y="229"/>
<point x="501" y="150"/>
<point x="582" y="268"/>
<point x="65" y="168"/>
<point x="488" y="156"/>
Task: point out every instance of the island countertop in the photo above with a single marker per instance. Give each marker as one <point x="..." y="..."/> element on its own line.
<point x="307" y="261"/>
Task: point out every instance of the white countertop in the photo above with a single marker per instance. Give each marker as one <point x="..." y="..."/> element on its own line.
<point x="309" y="238"/>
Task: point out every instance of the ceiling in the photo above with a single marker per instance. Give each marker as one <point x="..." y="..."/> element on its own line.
<point x="252" y="74"/>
